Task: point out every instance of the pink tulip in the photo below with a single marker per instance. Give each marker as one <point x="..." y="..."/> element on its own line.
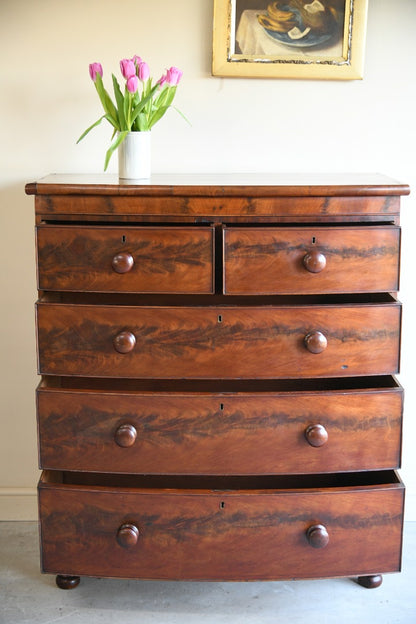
<point x="136" y="60"/>
<point x="143" y="71"/>
<point x="95" y="68"/>
<point x="132" y="84"/>
<point x="162" y="80"/>
<point x="173" y="76"/>
<point x="128" y="68"/>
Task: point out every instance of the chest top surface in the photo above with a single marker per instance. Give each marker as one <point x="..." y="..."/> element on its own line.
<point x="220" y="198"/>
<point x="222" y="184"/>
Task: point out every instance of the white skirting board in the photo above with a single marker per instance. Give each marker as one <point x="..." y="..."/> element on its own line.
<point x="18" y="504"/>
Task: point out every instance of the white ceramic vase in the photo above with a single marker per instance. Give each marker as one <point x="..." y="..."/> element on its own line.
<point x="134" y="156"/>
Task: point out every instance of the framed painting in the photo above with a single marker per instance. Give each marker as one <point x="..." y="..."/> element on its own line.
<point x="317" y="39"/>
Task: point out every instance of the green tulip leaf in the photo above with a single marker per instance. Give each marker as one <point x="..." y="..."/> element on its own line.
<point x="120" y="103"/>
<point x="140" y="106"/>
<point x="157" y="115"/>
<point x="182" y="115"/>
<point x="119" y="139"/>
<point x="91" y="127"/>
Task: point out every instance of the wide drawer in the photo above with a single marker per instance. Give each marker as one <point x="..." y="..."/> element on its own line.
<point x="337" y="426"/>
<point x="129" y="259"/>
<point x="311" y="260"/>
<point x="218" y="341"/>
<point x="242" y="529"/>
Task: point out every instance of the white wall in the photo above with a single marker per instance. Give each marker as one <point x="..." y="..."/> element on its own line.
<point x="47" y="99"/>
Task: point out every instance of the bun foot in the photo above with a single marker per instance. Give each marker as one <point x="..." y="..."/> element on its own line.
<point x="370" y="582"/>
<point x="67" y="582"/>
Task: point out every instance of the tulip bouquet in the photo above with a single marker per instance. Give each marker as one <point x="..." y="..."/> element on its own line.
<point x="140" y="106"/>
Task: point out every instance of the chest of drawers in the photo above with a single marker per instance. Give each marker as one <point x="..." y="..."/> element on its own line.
<point x="217" y="358"/>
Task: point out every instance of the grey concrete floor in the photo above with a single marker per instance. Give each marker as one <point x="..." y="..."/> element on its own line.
<point x="26" y="596"/>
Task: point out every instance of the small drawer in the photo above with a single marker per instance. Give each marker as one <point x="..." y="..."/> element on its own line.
<point x="129" y="259"/>
<point x="296" y="428"/>
<point x="221" y="528"/>
<point x="309" y="260"/>
<point x="219" y="342"/>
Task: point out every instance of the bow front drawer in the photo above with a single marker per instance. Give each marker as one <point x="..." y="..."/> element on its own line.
<point x="229" y="529"/>
<point x="311" y="260"/>
<point x="126" y="259"/>
<point x="345" y="425"/>
<point x="219" y="341"/>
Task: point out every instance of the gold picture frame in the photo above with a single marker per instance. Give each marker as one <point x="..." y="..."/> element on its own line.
<point x="303" y="39"/>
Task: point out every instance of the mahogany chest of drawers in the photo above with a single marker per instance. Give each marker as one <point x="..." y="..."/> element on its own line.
<point x="218" y="399"/>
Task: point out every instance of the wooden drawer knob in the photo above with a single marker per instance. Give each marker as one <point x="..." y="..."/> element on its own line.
<point x="317" y="536"/>
<point x="124" y="342"/>
<point x="316" y="435"/>
<point x="128" y="535"/>
<point x="315" y="342"/>
<point x="125" y="435"/>
<point x="314" y="261"/>
<point x="122" y="262"/>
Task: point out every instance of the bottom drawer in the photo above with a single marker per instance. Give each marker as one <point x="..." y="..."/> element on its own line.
<point x="221" y="528"/>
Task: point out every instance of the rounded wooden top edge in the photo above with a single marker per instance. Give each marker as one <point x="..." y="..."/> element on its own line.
<point x="31" y="188"/>
<point x="213" y="188"/>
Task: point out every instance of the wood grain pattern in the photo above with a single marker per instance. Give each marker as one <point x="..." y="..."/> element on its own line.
<point x="219" y="433"/>
<point x="250" y="207"/>
<point x="223" y="185"/>
<point x="227" y="535"/>
<point x="359" y="259"/>
<point x="165" y="259"/>
<point x="218" y="342"/>
<point x="191" y="434"/>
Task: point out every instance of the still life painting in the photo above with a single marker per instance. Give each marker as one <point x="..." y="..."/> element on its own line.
<point x="320" y="39"/>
